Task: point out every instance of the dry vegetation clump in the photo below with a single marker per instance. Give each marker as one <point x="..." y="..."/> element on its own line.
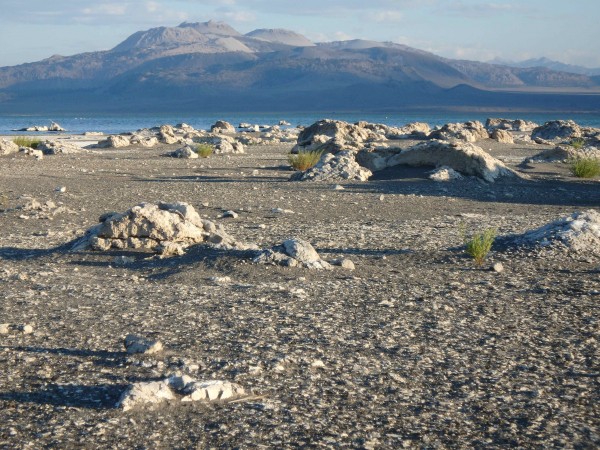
<point x="585" y="167"/>
<point x="305" y="160"/>
<point x="480" y="244"/>
<point x="24" y="141"/>
<point x="204" y="150"/>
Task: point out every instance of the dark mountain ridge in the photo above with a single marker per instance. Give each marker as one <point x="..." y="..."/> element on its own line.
<point x="212" y="67"/>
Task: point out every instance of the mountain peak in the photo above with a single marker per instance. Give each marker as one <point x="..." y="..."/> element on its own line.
<point x="211" y="27"/>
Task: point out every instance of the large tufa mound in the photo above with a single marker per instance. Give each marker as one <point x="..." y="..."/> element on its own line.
<point x="167" y="228"/>
<point x="557" y="129"/>
<point x="468" y="159"/>
<point x="578" y="233"/>
<point x="509" y="125"/>
<point x="333" y="136"/>
<point x="341" y="166"/>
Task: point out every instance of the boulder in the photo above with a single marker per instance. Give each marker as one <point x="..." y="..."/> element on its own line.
<point x="186" y="152"/>
<point x="144" y="141"/>
<point x="341" y="166"/>
<point x="557" y="129"/>
<point x="469" y="131"/>
<point x="222" y="126"/>
<point x="166" y="228"/>
<point x="502" y="136"/>
<point x="578" y="233"/>
<point x="293" y="253"/>
<point x="466" y="158"/>
<point x="116" y="141"/>
<point x="55" y="127"/>
<point x="7" y="147"/>
<point x="166" y="135"/>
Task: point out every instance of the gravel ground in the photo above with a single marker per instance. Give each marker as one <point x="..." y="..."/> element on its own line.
<point x="416" y="348"/>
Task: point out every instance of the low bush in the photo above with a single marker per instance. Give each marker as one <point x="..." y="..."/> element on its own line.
<point x="304" y="160"/>
<point x="480" y="244"/>
<point x="24" y="141"/>
<point x="204" y="150"/>
<point x="585" y="167"/>
<point x="577" y="143"/>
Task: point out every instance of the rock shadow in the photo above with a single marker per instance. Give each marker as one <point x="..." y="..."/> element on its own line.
<point x="100" y="396"/>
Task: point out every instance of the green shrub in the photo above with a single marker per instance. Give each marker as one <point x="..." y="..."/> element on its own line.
<point x="24" y="141"/>
<point x="304" y="160"/>
<point x="480" y="244"/>
<point x="204" y="150"/>
<point x="577" y="143"/>
<point x="585" y="167"/>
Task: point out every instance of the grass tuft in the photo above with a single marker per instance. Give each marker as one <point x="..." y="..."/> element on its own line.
<point x="480" y="244"/>
<point x="577" y="143"/>
<point x="304" y="160"/>
<point x="24" y="141"/>
<point x="204" y="150"/>
<point x="585" y="167"/>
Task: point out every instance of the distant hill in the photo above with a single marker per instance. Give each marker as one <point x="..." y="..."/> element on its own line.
<point x="212" y="67"/>
<point x="550" y="64"/>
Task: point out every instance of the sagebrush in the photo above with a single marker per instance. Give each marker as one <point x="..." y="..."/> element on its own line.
<point x="585" y="167"/>
<point x="480" y="244"/>
<point x="304" y="160"/>
<point x="204" y="150"/>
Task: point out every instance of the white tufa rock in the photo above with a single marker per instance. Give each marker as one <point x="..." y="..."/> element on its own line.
<point x="137" y="344"/>
<point x="293" y="253"/>
<point x="578" y="233"/>
<point x="557" y="129"/>
<point x="466" y="158"/>
<point x="502" y="136"/>
<point x="166" y="228"/>
<point x="468" y="131"/>
<point x="212" y="391"/>
<point x="445" y="173"/>
<point x="7" y="147"/>
<point x="145" y="394"/>
<point x="341" y="166"/>
<point x="56" y="147"/>
<point x="186" y="152"/>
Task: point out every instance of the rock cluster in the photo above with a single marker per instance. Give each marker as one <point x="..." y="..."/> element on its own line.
<point x="510" y="125"/>
<point x="166" y="228"/>
<point x="577" y="233"/>
<point x="40" y="128"/>
<point x="56" y="147"/>
<point x="178" y="388"/>
<point x="564" y="153"/>
<point x="469" y="131"/>
<point x="293" y="253"/>
<point x="341" y="166"/>
<point x="333" y="136"/>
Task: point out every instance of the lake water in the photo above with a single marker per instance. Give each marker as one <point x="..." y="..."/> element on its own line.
<point x="114" y="123"/>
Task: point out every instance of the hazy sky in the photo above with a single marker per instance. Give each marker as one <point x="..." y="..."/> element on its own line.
<point x="567" y="31"/>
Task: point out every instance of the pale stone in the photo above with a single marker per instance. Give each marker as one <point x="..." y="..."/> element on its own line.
<point x="502" y="136"/>
<point x="7" y="147"/>
<point x="445" y="173"/>
<point x="4" y="328"/>
<point x="469" y="131"/>
<point x="138" y="344"/>
<point x="145" y="394"/>
<point x="341" y="166"/>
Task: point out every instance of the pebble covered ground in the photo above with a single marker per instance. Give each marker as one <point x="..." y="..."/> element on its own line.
<point x="415" y="348"/>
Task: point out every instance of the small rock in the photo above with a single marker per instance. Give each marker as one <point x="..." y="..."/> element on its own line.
<point x="138" y="344"/>
<point x="26" y="329"/>
<point x="344" y="263"/>
<point x="150" y="393"/>
<point x="338" y="187"/>
<point x="498" y="267"/>
<point x="4" y="328"/>
<point x="231" y="214"/>
<point x="211" y="391"/>
<point x="61" y="189"/>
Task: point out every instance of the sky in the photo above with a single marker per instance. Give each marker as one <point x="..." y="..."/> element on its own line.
<point x="516" y="30"/>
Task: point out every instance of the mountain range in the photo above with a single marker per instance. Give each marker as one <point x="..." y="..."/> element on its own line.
<point x="212" y="67"/>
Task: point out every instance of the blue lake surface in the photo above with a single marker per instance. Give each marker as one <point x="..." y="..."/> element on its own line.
<point x="115" y="123"/>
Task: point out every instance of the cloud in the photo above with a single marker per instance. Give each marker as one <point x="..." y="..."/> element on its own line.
<point x="386" y="16"/>
<point x="107" y="9"/>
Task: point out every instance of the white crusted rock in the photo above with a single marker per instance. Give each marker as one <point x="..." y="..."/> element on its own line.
<point x="212" y="391"/>
<point x="149" y="394"/>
